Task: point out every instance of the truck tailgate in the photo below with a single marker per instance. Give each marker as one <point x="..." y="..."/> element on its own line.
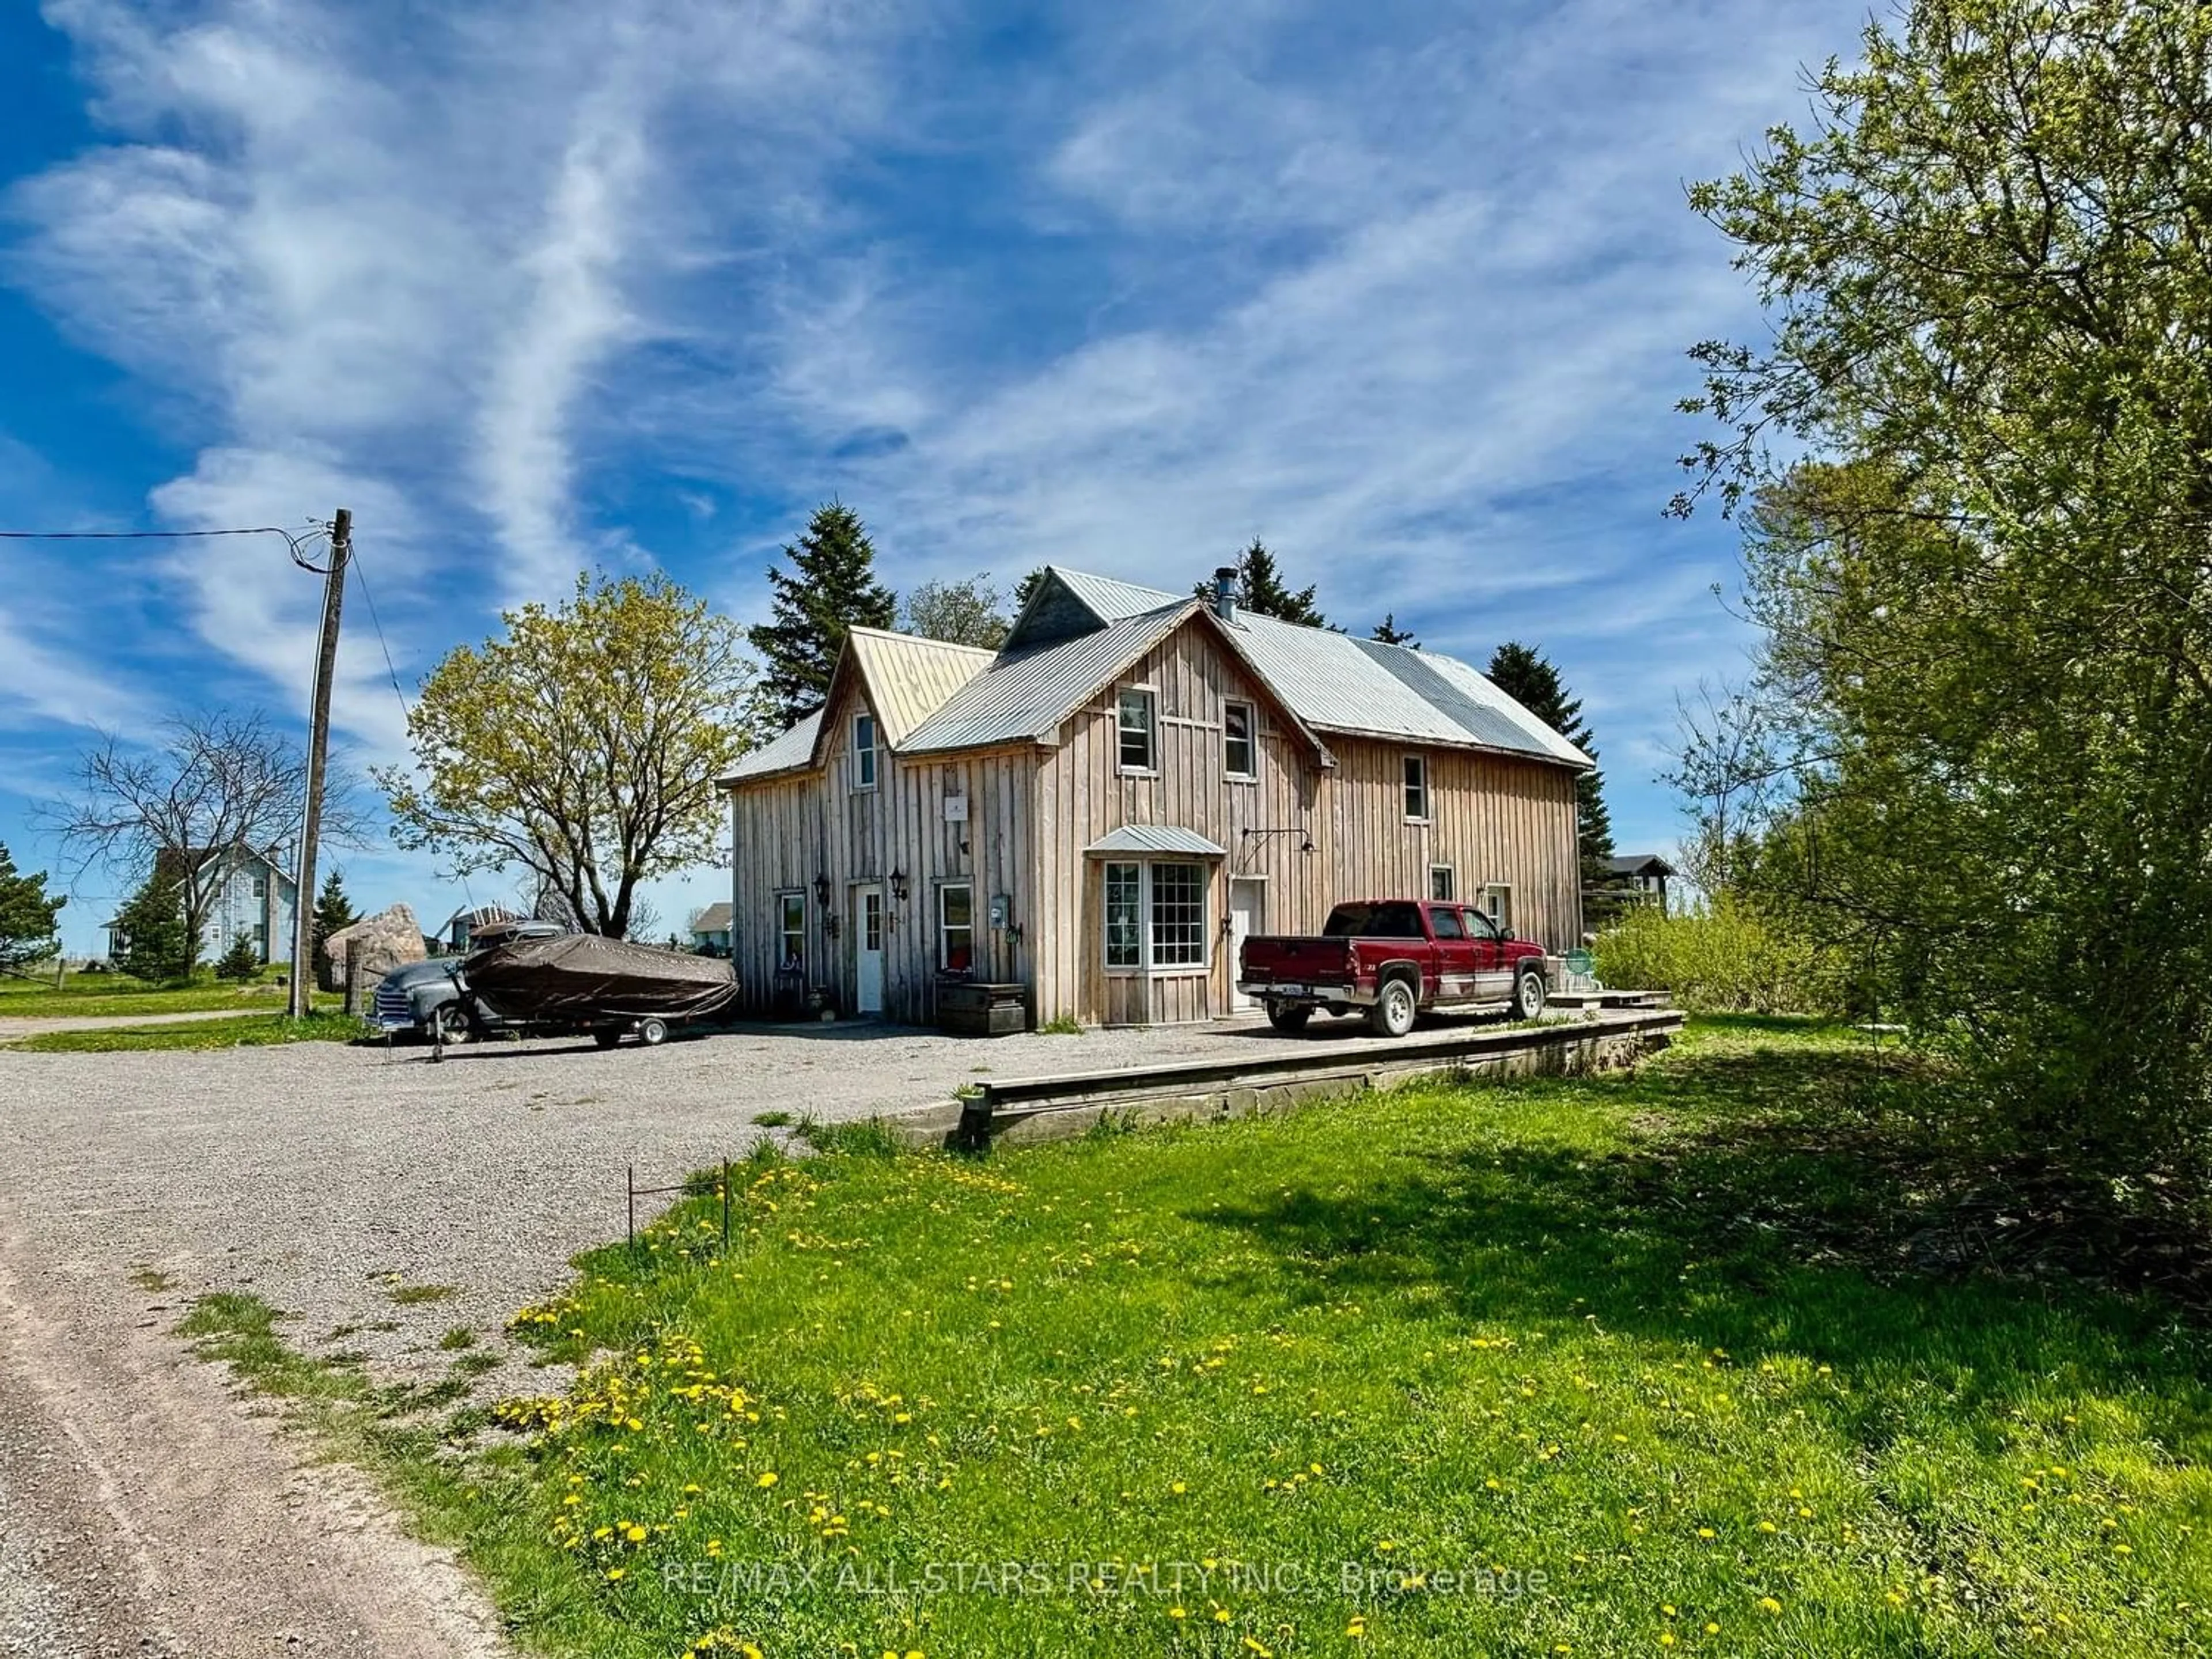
<point x="1284" y="958"/>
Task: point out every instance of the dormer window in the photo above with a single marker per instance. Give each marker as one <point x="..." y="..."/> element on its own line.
<point x="864" y="751"/>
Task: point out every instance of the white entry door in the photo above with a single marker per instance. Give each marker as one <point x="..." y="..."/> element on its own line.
<point x="1247" y="909"/>
<point x="868" y="950"/>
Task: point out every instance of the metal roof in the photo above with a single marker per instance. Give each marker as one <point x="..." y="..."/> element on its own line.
<point x="789" y="751"/>
<point x="909" y="677"/>
<point x="714" y="919"/>
<point x="1154" y="838"/>
<point x="1026" y="693"/>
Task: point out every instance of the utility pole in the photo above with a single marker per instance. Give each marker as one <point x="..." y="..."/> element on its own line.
<point x="301" y="999"/>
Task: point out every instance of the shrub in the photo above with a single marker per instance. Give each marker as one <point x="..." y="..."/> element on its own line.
<point x="241" y="961"/>
<point x="1723" y="959"/>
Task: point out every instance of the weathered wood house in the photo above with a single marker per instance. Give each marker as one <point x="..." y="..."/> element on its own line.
<point x="1103" y="809"/>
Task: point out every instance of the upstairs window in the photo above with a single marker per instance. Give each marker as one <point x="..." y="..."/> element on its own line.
<point x="1417" y="788"/>
<point x="1133" y="716"/>
<point x="864" y="751"/>
<point x="261" y="887"/>
<point x="1240" y="752"/>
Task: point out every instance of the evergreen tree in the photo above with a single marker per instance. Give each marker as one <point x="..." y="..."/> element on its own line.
<point x="1265" y="591"/>
<point x="333" y="911"/>
<point x="27" y="916"/>
<point x="1026" y="586"/>
<point x="156" y="945"/>
<point x="830" y="589"/>
<point x="1523" y="675"/>
<point x="241" y="961"/>
<point x="1390" y="633"/>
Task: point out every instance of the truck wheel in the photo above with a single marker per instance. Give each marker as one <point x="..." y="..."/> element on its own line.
<point x="1392" y="1016"/>
<point x="1288" y="1019"/>
<point x="1529" y="996"/>
<point x="652" y="1032"/>
<point x="606" y="1036"/>
<point x="449" y="1024"/>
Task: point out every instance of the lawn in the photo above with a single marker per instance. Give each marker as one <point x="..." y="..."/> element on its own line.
<point x="105" y="995"/>
<point x="1607" y="1366"/>
<point x="246" y="1032"/>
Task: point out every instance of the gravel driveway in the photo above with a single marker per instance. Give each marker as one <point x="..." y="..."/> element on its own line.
<point x="139" y="1499"/>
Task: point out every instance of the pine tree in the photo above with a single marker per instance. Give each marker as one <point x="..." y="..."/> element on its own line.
<point x="1266" y="594"/>
<point x="830" y="589"/>
<point x="1026" y="586"/>
<point x="155" y="944"/>
<point x="241" y="961"/>
<point x="1390" y="633"/>
<point x="1522" y="674"/>
<point x="27" y="916"/>
<point x="333" y="911"/>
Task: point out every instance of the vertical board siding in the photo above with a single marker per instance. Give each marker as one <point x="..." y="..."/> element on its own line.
<point x="1031" y="810"/>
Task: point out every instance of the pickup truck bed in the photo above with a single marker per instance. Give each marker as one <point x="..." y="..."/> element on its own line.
<point x="1397" y="959"/>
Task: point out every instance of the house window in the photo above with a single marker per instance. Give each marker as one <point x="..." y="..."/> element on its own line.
<point x="956" y="927"/>
<point x="1155" y="916"/>
<point x="791" y="924"/>
<point x="1442" y="881"/>
<point x="864" y="751"/>
<point x="1239" y="753"/>
<point x="261" y="940"/>
<point x="261" y="887"/>
<point x="1125" y="915"/>
<point x="1133" y="716"/>
<point x="1497" y="904"/>
<point x="1178" y="911"/>
<point x="872" y="920"/>
<point x="1417" y="788"/>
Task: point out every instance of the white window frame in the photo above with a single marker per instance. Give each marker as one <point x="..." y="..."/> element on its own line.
<point x="1251" y="772"/>
<point x="1409" y="788"/>
<point x="1498" y="905"/>
<point x="944" y="930"/>
<point x="261" y="887"/>
<point x="1151" y="697"/>
<point x="785" y="955"/>
<point x="864" y="775"/>
<point x="1148" y="962"/>
<point x="1450" y="893"/>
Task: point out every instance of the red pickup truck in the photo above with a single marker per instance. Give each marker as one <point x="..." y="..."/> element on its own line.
<point x="1396" y="958"/>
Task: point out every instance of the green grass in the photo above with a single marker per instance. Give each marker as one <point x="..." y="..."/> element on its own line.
<point x="246" y="1032"/>
<point x="1636" y="1350"/>
<point x="101" y="996"/>
<point x="459" y="1337"/>
<point x="409" y="1296"/>
<point x="1061" y="1025"/>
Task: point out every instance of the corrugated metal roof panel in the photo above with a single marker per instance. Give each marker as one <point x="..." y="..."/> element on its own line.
<point x="1111" y="601"/>
<point x="714" y="919"/>
<point x="788" y="751"/>
<point x="1155" y="838"/>
<point x="1024" y="692"/>
<point x="1483" y="706"/>
<point x="909" y="677"/>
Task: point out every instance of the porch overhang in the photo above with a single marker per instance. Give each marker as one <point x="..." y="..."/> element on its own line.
<point x="1153" y="841"/>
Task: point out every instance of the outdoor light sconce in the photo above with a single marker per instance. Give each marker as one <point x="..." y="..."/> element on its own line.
<point x="898" y="885"/>
<point x="822" y="890"/>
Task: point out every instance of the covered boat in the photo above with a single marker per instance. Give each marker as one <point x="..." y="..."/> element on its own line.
<point x="583" y="980"/>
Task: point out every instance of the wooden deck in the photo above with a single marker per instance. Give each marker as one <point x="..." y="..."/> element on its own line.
<point x="1070" y="1104"/>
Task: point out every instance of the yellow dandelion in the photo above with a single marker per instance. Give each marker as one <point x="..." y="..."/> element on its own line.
<point x="768" y="1478"/>
<point x="1768" y="1604"/>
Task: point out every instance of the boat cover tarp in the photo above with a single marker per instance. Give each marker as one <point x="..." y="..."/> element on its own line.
<point x="582" y="976"/>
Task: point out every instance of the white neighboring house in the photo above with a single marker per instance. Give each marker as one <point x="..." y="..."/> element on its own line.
<point x="252" y="894"/>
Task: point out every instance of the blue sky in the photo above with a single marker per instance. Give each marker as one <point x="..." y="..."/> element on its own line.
<point x="1403" y="288"/>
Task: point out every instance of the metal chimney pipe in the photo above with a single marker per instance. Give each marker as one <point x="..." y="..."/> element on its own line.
<point x="1224" y="592"/>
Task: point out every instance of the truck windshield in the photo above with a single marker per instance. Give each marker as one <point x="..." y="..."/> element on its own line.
<point x="1391" y="920"/>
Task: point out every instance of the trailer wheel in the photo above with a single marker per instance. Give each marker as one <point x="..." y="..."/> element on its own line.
<point x="652" y="1032"/>
<point x="1395" y="1007"/>
<point x="1289" y="1018"/>
<point x="607" y="1035"/>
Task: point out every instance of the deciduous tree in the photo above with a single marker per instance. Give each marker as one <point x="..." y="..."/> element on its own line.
<point x="969" y="612"/>
<point x="1985" y="599"/>
<point x="210" y="786"/>
<point x="582" y="744"/>
<point x="830" y="589"/>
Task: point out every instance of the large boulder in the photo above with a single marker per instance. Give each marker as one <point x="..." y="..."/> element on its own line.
<point x="373" y="947"/>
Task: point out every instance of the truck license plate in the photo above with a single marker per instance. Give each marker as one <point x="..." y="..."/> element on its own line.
<point x="1290" y="990"/>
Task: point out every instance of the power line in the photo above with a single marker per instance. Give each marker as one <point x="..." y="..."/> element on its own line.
<point x="361" y="576"/>
<point x="291" y="541"/>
